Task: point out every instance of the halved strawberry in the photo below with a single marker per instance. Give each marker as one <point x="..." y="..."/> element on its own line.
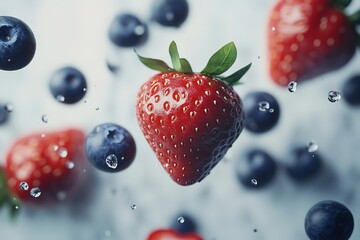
<point x="171" y="234"/>
<point x="309" y="38"/>
<point x="39" y="167"/>
<point x="191" y="119"/>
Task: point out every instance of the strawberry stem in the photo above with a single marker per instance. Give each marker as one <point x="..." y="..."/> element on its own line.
<point x="341" y="4"/>
<point x="6" y="198"/>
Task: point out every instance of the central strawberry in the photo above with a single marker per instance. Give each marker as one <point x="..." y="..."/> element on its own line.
<point x="191" y="119"/>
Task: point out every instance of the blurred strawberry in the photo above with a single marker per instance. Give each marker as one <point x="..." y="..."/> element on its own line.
<point x="307" y="38"/>
<point x="170" y="234"/>
<point x="40" y="168"/>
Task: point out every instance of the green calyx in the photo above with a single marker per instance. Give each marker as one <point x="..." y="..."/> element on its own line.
<point x="6" y="199"/>
<point x="219" y="62"/>
<point x="341" y="4"/>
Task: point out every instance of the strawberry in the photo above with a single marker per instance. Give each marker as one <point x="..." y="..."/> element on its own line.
<point x="40" y="166"/>
<point x="307" y="38"/>
<point x="170" y="234"/>
<point x="191" y="119"/>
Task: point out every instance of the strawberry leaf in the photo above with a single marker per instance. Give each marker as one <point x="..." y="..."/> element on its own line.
<point x="236" y="76"/>
<point x="185" y="66"/>
<point x="6" y="198"/>
<point x="154" y="64"/>
<point x="341" y="4"/>
<point x="355" y="18"/>
<point x="175" y="58"/>
<point x="221" y="61"/>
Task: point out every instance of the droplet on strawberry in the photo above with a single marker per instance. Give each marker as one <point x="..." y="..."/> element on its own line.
<point x="191" y="119"/>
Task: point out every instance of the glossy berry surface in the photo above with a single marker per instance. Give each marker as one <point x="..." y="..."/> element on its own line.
<point x="256" y="169"/>
<point x="4" y="114"/>
<point x="304" y="165"/>
<point x="110" y="147"/>
<point x="53" y="162"/>
<point x="351" y="90"/>
<point x="184" y="223"/>
<point x="329" y="220"/>
<point x="127" y="30"/>
<point x="170" y="13"/>
<point x="17" y="44"/>
<point x="258" y="117"/>
<point x="68" y="85"/>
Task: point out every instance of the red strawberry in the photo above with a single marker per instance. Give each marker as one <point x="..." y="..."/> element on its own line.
<point x="307" y="38"/>
<point x="191" y="119"/>
<point x="170" y="234"/>
<point x="51" y="162"/>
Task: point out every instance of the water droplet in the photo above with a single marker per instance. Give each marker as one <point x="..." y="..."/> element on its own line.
<point x="44" y="118"/>
<point x="292" y="86"/>
<point x="264" y="106"/>
<point x="43" y="135"/>
<point x="9" y="107"/>
<point x="112" y="161"/>
<point x="254" y="182"/>
<point x="334" y="96"/>
<point x="181" y="220"/>
<point x="55" y="147"/>
<point x="84" y="89"/>
<point x="61" y="196"/>
<point x="259" y="57"/>
<point x="97" y="108"/>
<point x="35" y="192"/>
<point x="273" y="28"/>
<point x="312" y="146"/>
<point x="107" y="233"/>
<point x="60" y="98"/>
<point x="133" y="207"/>
<point x="63" y="152"/>
<point x="70" y="164"/>
<point x="271" y="110"/>
<point x="17" y="207"/>
<point x="24" y="186"/>
<point x="255" y="230"/>
<point x="139" y="30"/>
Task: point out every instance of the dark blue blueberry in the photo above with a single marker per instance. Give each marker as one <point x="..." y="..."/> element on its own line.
<point x="126" y="30"/>
<point x="4" y="114"/>
<point x="110" y="147"/>
<point x="256" y="169"/>
<point x="351" y="90"/>
<point x="304" y="165"/>
<point x="329" y="220"/>
<point x="68" y="85"/>
<point x="262" y="111"/>
<point x="184" y="223"/>
<point x="17" y="44"/>
<point x="170" y="13"/>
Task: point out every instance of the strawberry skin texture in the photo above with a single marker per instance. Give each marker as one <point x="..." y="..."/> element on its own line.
<point x="307" y="38"/>
<point x="170" y="234"/>
<point x="190" y="121"/>
<point x="43" y="162"/>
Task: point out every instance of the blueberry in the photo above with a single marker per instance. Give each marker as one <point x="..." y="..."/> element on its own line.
<point x="304" y="165"/>
<point x="351" y="90"/>
<point x="4" y="114"/>
<point x="184" y="223"/>
<point x="17" y="44"/>
<point x="68" y="85"/>
<point x="329" y="220"/>
<point x="256" y="169"/>
<point x="262" y="111"/>
<point x="110" y="147"/>
<point x="170" y="13"/>
<point x="126" y="30"/>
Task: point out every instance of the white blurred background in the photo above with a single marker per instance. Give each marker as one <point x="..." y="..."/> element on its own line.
<point x="75" y="33"/>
